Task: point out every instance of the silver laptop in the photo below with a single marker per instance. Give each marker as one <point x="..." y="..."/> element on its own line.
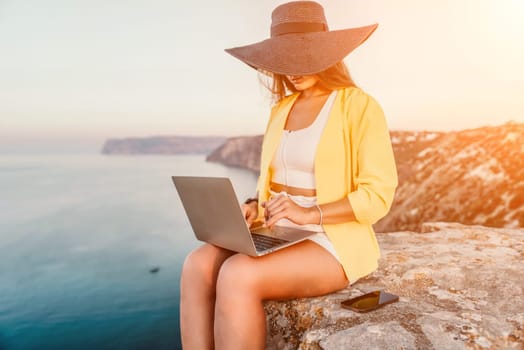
<point x="215" y="215"/>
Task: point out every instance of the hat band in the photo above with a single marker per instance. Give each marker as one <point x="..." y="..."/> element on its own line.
<point x="297" y="27"/>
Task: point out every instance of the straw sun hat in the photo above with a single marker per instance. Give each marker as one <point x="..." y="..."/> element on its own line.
<point x="300" y="42"/>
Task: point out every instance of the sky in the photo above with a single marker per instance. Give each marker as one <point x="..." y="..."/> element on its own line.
<point x="75" y="72"/>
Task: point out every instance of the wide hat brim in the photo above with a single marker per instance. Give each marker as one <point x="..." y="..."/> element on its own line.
<point x="302" y="53"/>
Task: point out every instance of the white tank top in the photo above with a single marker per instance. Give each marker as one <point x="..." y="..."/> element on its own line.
<point x="294" y="161"/>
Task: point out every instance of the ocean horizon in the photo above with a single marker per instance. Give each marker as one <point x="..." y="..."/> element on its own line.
<point x="91" y="248"/>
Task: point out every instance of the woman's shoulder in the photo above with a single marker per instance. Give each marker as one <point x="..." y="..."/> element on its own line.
<point x="355" y="94"/>
<point x="357" y="104"/>
<point x="284" y="100"/>
<point x="356" y="98"/>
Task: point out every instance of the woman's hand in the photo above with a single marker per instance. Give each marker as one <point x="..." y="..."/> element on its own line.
<point x="250" y="212"/>
<point x="282" y="206"/>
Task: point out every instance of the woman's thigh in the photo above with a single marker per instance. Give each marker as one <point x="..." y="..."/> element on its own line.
<point x="302" y="270"/>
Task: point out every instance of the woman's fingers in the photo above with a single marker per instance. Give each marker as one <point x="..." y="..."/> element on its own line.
<point x="274" y="202"/>
<point x="283" y="207"/>
<point x="251" y="217"/>
<point x="245" y="211"/>
<point x="250" y="213"/>
<point x="271" y="207"/>
<point x="273" y="219"/>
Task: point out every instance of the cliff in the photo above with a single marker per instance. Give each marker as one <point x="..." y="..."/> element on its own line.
<point x="162" y="145"/>
<point x="243" y="152"/>
<point x="460" y="287"/>
<point x="472" y="176"/>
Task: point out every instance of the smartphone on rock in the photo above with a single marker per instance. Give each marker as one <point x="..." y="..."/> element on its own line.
<point x="369" y="301"/>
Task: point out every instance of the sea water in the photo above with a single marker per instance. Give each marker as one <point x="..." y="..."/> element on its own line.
<point x="80" y="240"/>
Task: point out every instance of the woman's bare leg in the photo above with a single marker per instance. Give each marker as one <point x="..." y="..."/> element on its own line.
<point x="303" y="270"/>
<point x="197" y="295"/>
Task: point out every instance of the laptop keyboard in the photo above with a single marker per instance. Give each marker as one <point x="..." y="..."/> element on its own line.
<point x="263" y="242"/>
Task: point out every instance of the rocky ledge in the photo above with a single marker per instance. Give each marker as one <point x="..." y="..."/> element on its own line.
<point x="460" y="287"/>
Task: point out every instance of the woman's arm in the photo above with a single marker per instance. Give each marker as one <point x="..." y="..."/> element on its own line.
<point x="374" y="172"/>
<point x="327" y="213"/>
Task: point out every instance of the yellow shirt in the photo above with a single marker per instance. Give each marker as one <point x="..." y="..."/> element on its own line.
<point x="354" y="159"/>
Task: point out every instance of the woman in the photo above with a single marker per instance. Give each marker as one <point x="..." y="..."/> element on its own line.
<point x="326" y="165"/>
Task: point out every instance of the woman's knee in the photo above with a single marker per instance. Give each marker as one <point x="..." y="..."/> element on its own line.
<point x="202" y="264"/>
<point x="238" y="277"/>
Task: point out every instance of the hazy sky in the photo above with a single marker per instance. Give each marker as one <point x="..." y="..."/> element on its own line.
<point x="78" y="71"/>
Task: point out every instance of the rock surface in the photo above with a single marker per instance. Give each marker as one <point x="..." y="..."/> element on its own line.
<point x="460" y="287"/>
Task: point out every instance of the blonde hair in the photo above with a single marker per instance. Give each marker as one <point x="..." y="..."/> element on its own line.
<point x="334" y="78"/>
